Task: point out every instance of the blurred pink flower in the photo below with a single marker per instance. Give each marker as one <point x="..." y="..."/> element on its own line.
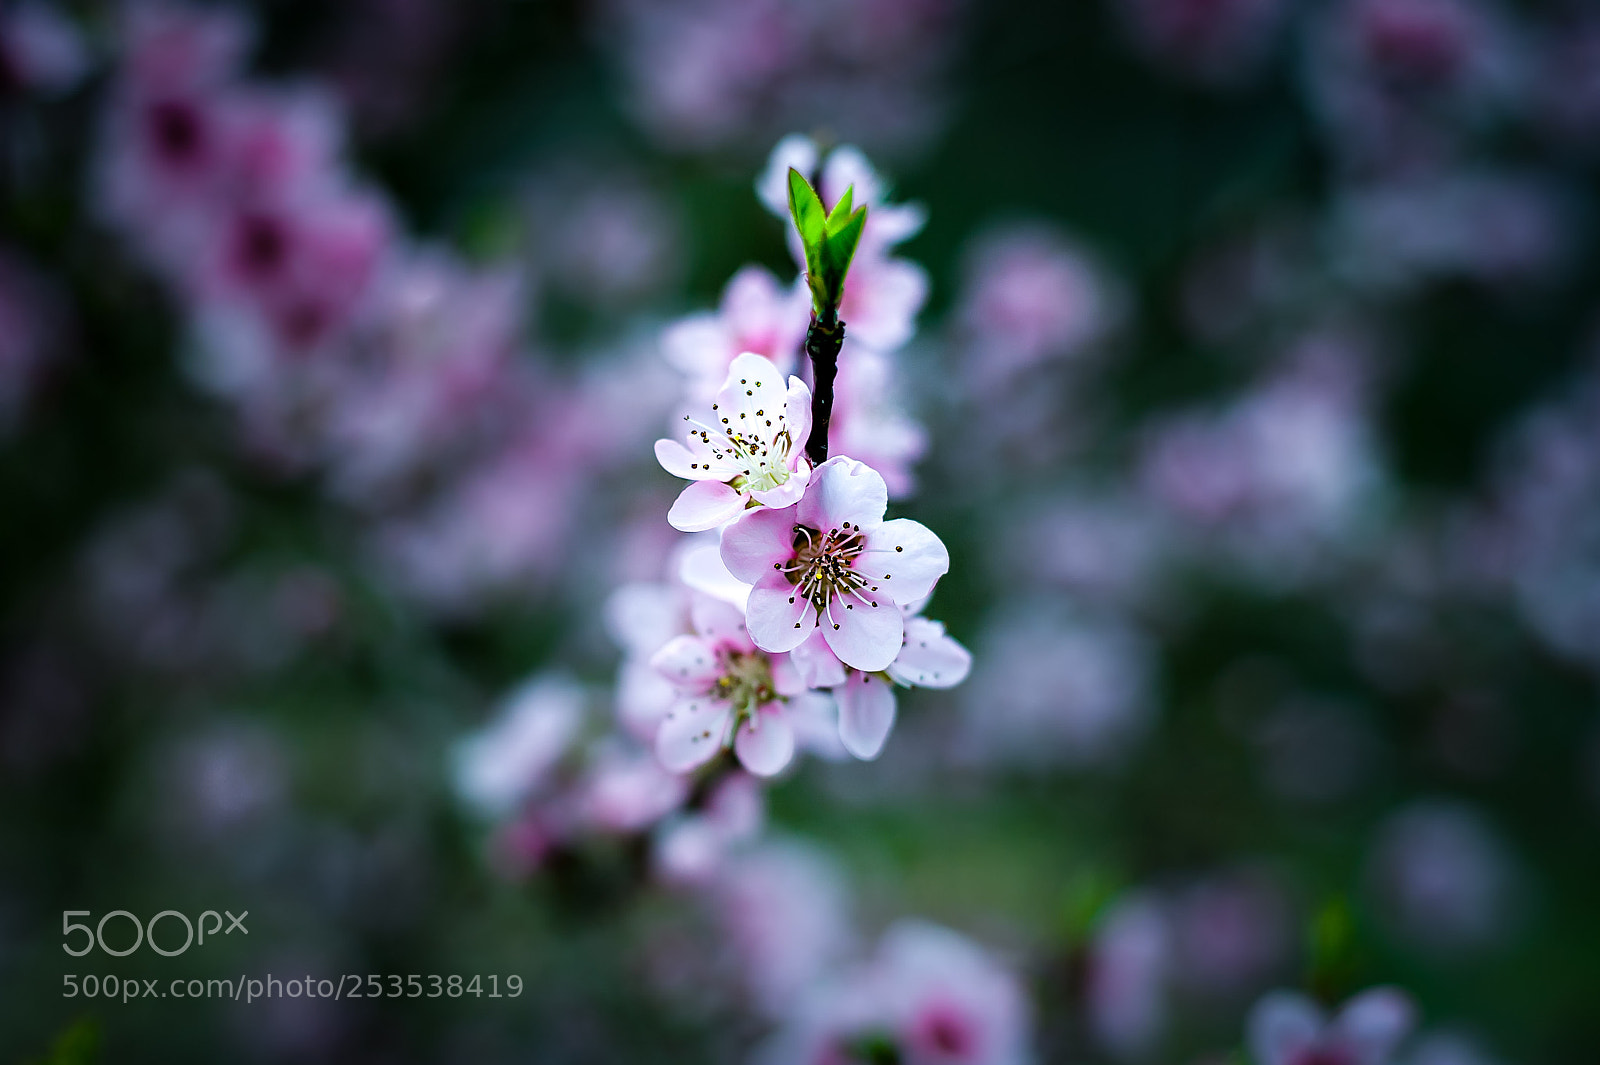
<point x="1399" y="82"/>
<point x="691" y="851"/>
<point x="1029" y="296"/>
<point x="783" y="910"/>
<point x="1058" y="690"/>
<point x="928" y="997"/>
<point x="869" y="424"/>
<point x="502" y="765"/>
<point x="627" y="790"/>
<point x="1286" y="1028"/>
<point x="1129" y="966"/>
<point x="757" y="314"/>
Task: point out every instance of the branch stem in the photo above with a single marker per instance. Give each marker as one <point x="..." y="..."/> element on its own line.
<point x="824" y="338"/>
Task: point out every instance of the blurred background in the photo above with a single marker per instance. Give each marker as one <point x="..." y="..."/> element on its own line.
<point x="1246" y="363"/>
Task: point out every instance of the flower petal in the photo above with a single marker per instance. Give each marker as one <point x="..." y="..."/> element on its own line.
<point x="700" y="568"/>
<point x="799" y="416"/>
<point x="685" y="462"/>
<point x="930" y="659"/>
<point x="865" y="632"/>
<point x="719" y="623"/>
<point x="844" y="492"/>
<point x="779" y="617"/>
<point x="906" y="556"/>
<point x="758" y="542"/>
<point x="765" y="743"/>
<point x="814" y="716"/>
<point x="816" y="663"/>
<point x="753" y="393"/>
<point x="704" y="505"/>
<point x="688" y="662"/>
<point x="1282" y="1026"/>
<point x="866" y="714"/>
<point x="692" y="733"/>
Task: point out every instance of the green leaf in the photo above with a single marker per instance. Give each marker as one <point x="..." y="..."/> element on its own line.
<point x="841" y="210"/>
<point x="838" y="249"/>
<point x="809" y="218"/>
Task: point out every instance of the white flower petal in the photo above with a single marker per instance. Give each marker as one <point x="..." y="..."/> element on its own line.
<point x="765" y="743"/>
<point x="866" y="714"/>
<point x="779" y="618"/>
<point x="692" y="733"/>
<point x="719" y="623"/>
<point x="757" y="542"/>
<point x="688" y="662"/>
<point x="816" y="663"/>
<point x="704" y="505"/>
<point x="844" y="492"/>
<point x="907" y="557"/>
<point x="930" y="659"/>
<point x="864" y="629"/>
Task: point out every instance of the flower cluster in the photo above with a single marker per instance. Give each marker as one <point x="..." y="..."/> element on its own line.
<point x="388" y="366"/>
<point x="822" y="594"/>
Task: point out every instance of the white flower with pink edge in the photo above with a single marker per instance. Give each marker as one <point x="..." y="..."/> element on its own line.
<point x="729" y="692"/>
<point x="831" y="562"/>
<point x="751" y="451"/>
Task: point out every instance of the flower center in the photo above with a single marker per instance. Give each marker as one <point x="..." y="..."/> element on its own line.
<point x="746" y="680"/>
<point x="823" y="569"/>
<point x="756" y="440"/>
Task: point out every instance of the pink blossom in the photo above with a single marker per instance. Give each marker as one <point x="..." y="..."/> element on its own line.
<point x="692" y="851"/>
<point x="625" y="790"/>
<point x="506" y="762"/>
<point x="1030" y="296"/>
<point x="882" y="294"/>
<point x="928" y="658"/>
<point x="1399" y="82"/>
<point x="437" y="350"/>
<point x="828" y="555"/>
<point x="702" y="74"/>
<point x="1286" y="1028"/>
<point x="928" y="996"/>
<point x="641" y="618"/>
<point x="301" y="266"/>
<point x="1231" y="931"/>
<point x="1284" y="473"/>
<point x="1130" y="962"/>
<point x="868" y="424"/>
<point x="1496" y="228"/>
<point x="783" y="909"/>
<point x="730" y="693"/>
<point x="757" y="314"/>
<point x="751" y="448"/>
